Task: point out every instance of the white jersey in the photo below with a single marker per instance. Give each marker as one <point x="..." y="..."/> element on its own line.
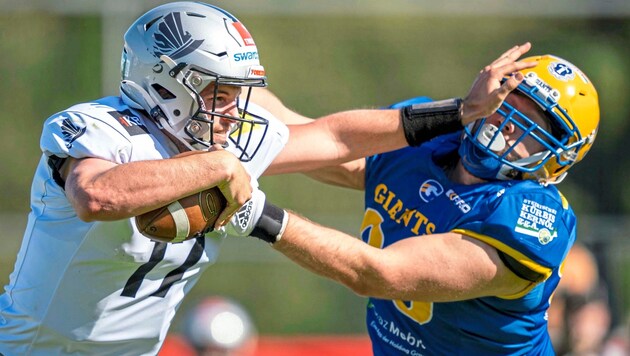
<point x="101" y="288"/>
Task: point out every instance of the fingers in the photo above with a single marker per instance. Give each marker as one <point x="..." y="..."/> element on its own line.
<point x="512" y="54"/>
<point x="510" y="84"/>
<point x="226" y="214"/>
<point x="507" y="65"/>
<point x="490" y="89"/>
<point x="233" y="204"/>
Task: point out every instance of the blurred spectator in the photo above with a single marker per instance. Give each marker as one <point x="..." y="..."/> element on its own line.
<point x="579" y="316"/>
<point x="618" y="344"/>
<point x="219" y="326"/>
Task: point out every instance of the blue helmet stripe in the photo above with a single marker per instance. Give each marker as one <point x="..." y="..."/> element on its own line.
<point x="232" y="17"/>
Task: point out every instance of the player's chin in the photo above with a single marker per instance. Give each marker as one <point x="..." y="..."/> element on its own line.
<point x="220" y="139"/>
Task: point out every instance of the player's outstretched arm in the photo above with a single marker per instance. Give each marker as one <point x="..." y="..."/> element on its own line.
<point x="440" y="267"/>
<point x="350" y="135"/>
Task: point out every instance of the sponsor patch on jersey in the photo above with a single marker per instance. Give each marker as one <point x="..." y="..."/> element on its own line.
<point x="130" y="122"/>
<point x="430" y="190"/>
<point x="537" y="220"/>
<point x="562" y="71"/>
<point x="459" y="202"/>
<point x="72" y="127"/>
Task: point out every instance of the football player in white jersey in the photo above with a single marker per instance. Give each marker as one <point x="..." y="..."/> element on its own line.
<point x="86" y="282"/>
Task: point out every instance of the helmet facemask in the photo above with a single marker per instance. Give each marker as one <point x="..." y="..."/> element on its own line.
<point x="199" y="128"/>
<point x="172" y="53"/>
<point x="561" y="142"/>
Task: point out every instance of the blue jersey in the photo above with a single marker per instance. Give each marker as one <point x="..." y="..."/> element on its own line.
<point x="408" y="194"/>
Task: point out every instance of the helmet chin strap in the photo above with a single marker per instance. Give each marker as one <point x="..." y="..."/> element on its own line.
<point x="478" y="161"/>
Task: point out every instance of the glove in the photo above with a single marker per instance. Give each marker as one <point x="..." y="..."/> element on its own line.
<point x="245" y="219"/>
<point x="259" y="218"/>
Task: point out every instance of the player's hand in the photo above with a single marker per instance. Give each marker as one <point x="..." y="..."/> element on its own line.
<point x="487" y="92"/>
<point x="237" y="188"/>
<point x="246" y="218"/>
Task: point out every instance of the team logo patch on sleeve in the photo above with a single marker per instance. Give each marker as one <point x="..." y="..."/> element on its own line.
<point x="72" y="127"/>
<point x="537" y="220"/>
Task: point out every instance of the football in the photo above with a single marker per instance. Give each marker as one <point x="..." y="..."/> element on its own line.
<point x="187" y="218"/>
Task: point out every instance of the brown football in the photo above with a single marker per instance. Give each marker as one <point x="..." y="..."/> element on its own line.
<point x="187" y="218"/>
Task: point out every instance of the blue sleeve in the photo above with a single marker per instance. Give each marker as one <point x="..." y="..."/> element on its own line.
<point x="533" y="225"/>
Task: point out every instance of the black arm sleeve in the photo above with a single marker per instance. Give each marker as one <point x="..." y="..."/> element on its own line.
<point x="422" y="122"/>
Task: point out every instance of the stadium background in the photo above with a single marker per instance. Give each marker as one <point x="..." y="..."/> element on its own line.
<point x="325" y="56"/>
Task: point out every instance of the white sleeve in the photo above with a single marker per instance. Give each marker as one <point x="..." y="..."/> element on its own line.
<point x="80" y="135"/>
<point x="276" y="137"/>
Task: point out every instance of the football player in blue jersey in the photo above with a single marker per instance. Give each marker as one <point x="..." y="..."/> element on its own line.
<point x="464" y="233"/>
<point x="86" y="281"/>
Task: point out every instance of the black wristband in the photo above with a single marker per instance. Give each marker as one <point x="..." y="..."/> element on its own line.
<point x="422" y="122"/>
<point x="271" y="224"/>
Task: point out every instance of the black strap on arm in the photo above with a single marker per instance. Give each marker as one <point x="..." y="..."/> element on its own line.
<point x="520" y="270"/>
<point x="422" y="122"/>
<point x="271" y="225"/>
<point x="55" y="163"/>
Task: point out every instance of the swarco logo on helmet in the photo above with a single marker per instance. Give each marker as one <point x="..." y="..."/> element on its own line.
<point x="176" y="50"/>
<point x="245" y="56"/>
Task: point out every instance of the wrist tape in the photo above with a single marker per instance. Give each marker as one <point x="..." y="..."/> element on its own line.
<point x="271" y="224"/>
<point x="422" y="122"/>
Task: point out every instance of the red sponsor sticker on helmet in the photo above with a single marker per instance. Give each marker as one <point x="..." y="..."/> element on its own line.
<point x="247" y="38"/>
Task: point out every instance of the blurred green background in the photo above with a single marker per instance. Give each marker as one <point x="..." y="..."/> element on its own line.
<point x="323" y="57"/>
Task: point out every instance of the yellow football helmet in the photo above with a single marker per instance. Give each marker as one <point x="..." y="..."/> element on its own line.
<point x="571" y="103"/>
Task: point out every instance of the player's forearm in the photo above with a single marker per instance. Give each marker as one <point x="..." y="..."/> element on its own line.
<point x="339" y="138"/>
<point x="333" y="254"/>
<point x="347" y="175"/>
<point x="349" y="135"/>
<point x="100" y="190"/>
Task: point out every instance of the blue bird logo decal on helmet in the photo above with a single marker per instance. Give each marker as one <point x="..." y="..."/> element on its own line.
<point x="172" y="40"/>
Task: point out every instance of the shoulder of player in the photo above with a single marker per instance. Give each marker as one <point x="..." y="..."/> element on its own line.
<point x="111" y="111"/>
<point x="529" y="190"/>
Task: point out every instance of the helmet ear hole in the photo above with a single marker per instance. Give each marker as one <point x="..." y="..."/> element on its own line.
<point x="163" y="92"/>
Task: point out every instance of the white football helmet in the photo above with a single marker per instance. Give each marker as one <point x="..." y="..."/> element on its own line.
<point x="172" y="53"/>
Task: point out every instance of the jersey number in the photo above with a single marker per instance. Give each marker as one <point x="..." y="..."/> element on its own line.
<point x="159" y="250"/>
<point x="420" y="312"/>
